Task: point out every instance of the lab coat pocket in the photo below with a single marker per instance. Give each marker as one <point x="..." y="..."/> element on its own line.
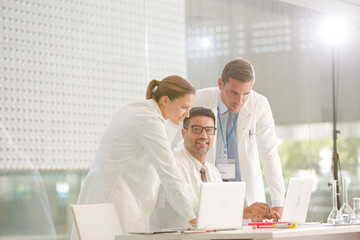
<point x="250" y="142"/>
<point x="251" y="134"/>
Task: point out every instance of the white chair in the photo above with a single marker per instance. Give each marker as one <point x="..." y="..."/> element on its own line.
<point x="96" y="221"/>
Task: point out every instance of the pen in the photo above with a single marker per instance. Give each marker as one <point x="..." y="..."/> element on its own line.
<point x="249" y="133"/>
<point x="222" y="229"/>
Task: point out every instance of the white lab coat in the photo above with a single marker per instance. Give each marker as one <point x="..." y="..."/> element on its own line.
<point x="164" y="216"/>
<point x="134" y="157"/>
<point x="257" y="117"/>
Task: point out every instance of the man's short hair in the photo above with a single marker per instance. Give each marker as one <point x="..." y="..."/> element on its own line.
<point x="238" y="69"/>
<point x="199" y="111"/>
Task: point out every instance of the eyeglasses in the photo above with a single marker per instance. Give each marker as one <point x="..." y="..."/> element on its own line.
<point x="198" y="129"/>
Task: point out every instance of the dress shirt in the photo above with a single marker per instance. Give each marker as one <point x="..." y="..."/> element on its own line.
<point x="212" y="173"/>
<point x="223" y="111"/>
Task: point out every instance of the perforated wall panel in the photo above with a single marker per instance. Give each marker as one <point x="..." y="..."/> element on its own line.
<point x="67" y="66"/>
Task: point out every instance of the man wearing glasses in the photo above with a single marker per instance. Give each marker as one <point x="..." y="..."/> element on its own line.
<point x="198" y="133"/>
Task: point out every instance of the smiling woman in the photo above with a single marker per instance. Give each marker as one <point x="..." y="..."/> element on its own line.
<point x="174" y="96"/>
<point x="135" y="157"/>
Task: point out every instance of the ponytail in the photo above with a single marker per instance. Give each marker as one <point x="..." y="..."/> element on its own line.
<point x="152" y="88"/>
<point x="172" y="86"/>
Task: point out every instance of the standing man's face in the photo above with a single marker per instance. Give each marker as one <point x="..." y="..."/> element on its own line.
<point x="198" y="144"/>
<point x="234" y="93"/>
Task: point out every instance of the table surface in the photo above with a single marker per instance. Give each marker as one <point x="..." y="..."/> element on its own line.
<point x="310" y="232"/>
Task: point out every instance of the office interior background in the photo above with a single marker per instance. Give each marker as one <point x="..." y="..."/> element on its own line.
<point x="67" y="67"/>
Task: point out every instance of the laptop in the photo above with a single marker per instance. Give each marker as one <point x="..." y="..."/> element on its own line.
<point x="220" y="208"/>
<point x="297" y="200"/>
<point x="221" y="205"/>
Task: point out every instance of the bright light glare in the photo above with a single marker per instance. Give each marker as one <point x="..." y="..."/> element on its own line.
<point x="62" y="187"/>
<point x="334" y="31"/>
<point x="205" y="42"/>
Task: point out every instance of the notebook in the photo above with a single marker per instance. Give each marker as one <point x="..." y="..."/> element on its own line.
<point x="221" y="205"/>
<point x="297" y="200"/>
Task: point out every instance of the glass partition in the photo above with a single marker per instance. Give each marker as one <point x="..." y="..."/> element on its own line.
<point x="68" y="66"/>
<point x="293" y="65"/>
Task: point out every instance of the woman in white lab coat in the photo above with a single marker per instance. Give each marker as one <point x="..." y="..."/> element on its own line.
<point x="134" y="157"/>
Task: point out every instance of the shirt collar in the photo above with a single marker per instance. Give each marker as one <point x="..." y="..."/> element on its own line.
<point x="222" y="108"/>
<point x="197" y="163"/>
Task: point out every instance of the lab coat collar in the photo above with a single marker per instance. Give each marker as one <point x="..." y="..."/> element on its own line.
<point x="222" y="108"/>
<point x="198" y="165"/>
<point x="156" y="107"/>
<point x="171" y="129"/>
<point x="244" y="110"/>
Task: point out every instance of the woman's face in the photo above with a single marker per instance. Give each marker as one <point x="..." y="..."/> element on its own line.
<point x="178" y="109"/>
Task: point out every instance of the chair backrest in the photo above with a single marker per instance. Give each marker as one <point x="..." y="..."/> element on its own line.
<point x="96" y="221"/>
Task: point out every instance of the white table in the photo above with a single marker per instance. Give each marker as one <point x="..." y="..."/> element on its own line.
<point x="306" y="232"/>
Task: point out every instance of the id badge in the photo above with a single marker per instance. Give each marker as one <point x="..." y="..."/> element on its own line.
<point x="227" y="170"/>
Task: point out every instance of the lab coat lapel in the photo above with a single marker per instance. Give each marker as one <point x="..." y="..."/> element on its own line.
<point x="194" y="175"/>
<point x="171" y="130"/>
<point x="211" y="154"/>
<point x="242" y="127"/>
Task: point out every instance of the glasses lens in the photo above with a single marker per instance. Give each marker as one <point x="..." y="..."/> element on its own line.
<point x="210" y="130"/>
<point x="196" y="129"/>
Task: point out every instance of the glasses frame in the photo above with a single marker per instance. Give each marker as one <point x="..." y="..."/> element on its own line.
<point x="202" y="128"/>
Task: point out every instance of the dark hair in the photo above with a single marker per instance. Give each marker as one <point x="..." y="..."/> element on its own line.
<point x="199" y="111"/>
<point x="238" y="69"/>
<point x="172" y="86"/>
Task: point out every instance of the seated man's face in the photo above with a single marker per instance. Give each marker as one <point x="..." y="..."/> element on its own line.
<point x="198" y="144"/>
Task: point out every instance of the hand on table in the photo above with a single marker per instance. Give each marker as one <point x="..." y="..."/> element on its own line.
<point x="261" y="211"/>
<point x="256" y="210"/>
<point x="192" y="223"/>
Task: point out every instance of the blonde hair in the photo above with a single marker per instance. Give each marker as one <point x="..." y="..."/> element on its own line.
<point x="172" y="86"/>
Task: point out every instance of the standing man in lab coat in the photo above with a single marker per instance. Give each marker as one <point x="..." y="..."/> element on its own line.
<point x="254" y="130"/>
<point x="198" y="133"/>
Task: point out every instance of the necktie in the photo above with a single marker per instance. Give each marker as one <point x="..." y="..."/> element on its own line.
<point x="203" y="174"/>
<point x="232" y="150"/>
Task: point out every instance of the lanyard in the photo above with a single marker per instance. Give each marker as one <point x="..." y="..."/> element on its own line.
<point x="222" y="134"/>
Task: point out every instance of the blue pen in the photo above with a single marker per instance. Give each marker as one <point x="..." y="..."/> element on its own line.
<point x="249" y="133"/>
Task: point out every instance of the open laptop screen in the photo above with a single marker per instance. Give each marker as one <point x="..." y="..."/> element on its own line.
<point x="221" y="205"/>
<point x="297" y="200"/>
